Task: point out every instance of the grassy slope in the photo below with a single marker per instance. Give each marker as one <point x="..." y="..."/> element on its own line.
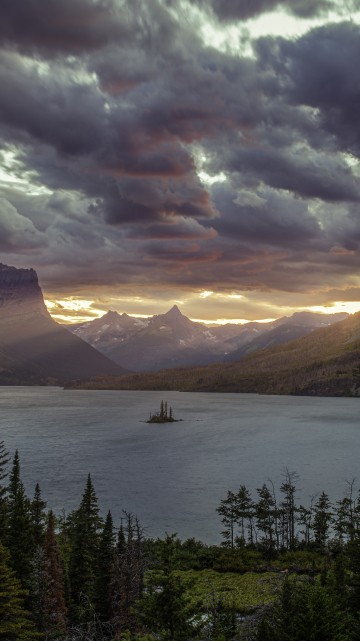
<point x="320" y="363"/>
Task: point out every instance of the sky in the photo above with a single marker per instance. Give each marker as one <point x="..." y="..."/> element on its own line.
<point x="203" y="153"/>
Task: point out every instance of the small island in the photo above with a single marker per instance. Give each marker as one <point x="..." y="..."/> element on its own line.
<point x="163" y="416"/>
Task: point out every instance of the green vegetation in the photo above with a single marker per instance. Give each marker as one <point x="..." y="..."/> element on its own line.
<point x="323" y="363"/>
<point x="283" y="572"/>
<point x="243" y="592"/>
<point x="163" y="415"/>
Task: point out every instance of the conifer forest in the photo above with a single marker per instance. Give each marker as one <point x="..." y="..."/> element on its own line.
<point x="282" y="571"/>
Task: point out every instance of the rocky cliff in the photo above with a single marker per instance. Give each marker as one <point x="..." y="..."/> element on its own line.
<point x="20" y="293"/>
<point x="33" y="347"/>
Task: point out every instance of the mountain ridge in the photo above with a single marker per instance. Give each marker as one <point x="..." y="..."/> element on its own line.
<point x="34" y="349"/>
<point x="171" y="339"/>
<point x="325" y="362"/>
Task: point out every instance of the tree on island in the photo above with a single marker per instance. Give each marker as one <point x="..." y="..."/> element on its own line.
<point x="164" y="415"/>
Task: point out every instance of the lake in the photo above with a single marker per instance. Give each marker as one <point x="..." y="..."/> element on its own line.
<point x="173" y="476"/>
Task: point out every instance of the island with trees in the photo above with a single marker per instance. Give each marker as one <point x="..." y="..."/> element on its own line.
<point x="164" y="415"/>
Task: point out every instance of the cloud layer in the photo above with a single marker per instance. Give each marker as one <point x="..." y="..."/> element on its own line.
<point x="137" y="155"/>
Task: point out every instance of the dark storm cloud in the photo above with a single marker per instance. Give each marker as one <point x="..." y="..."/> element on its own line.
<point x="319" y="71"/>
<point x="308" y="174"/>
<point x="61" y="25"/>
<point x="49" y="108"/>
<point x="111" y="105"/>
<point x="277" y="219"/>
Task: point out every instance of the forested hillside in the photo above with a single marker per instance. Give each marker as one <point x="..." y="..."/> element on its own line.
<point x="283" y="570"/>
<point x="325" y="363"/>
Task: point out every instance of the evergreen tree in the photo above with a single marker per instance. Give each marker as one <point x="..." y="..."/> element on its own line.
<point x="304" y="519"/>
<point x="37" y="588"/>
<point x="265" y="519"/>
<point x="353" y="551"/>
<point x="4" y="461"/>
<point x="288" y="509"/>
<point x="322" y="519"/>
<point x="344" y="518"/>
<point x="121" y="540"/>
<point x="105" y="569"/>
<point x="15" y="622"/>
<point x="244" y="515"/>
<point x="165" y="608"/>
<point x="20" y="534"/>
<point x="54" y="608"/>
<point x="228" y="511"/>
<point x="84" y="554"/>
<point x="337" y="578"/>
<point x="15" y="481"/>
<point x="306" y="611"/>
<point x="38" y="516"/>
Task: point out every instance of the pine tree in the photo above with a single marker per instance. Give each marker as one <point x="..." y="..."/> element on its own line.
<point x="54" y="608"/>
<point x="165" y="608"/>
<point x="288" y="509"/>
<point x="306" y="611"/>
<point x="15" y="481"/>
<point x="304" y="519"/>
<point x="4" y="461"/>
<point x="15" y="622"/>
<point x="84" y="553"/>
<point x="105" y="569"/>
<point x="20" y="534"/>
<point x="38" y="516"/>
<point x="265" y="519"/>
<point x="322" y="519"/>
<point x="245" y="514"/>
<point x="37" y="588"/>
<point x="344" y="518"/>
<point x="353" y="552"/>
<point x="162" y="409"/>
<point x="228" y="511"/>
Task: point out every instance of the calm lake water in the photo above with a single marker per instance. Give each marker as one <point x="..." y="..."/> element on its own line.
<point x="173" y="476"/>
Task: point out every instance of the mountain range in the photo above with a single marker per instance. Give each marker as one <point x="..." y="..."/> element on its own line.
<point x="173" y="340"/>
<point x="34" y="349"/>
<point x="305" y="353"/>
<point x="324" y="362"/>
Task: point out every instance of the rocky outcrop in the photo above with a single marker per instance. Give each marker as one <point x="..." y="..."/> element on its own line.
<point x="33" y="347"/>
<point x="20" y="293"/>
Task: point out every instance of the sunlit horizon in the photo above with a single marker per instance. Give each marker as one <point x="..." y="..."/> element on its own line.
<point x="62" y="311"/>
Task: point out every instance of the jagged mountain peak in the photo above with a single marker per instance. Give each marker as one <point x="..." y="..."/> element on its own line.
<point x="174" y="312"/>
<point x="172" y="339"/>
<point x="111" y="315"/>
<point x="173" y="318"/>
